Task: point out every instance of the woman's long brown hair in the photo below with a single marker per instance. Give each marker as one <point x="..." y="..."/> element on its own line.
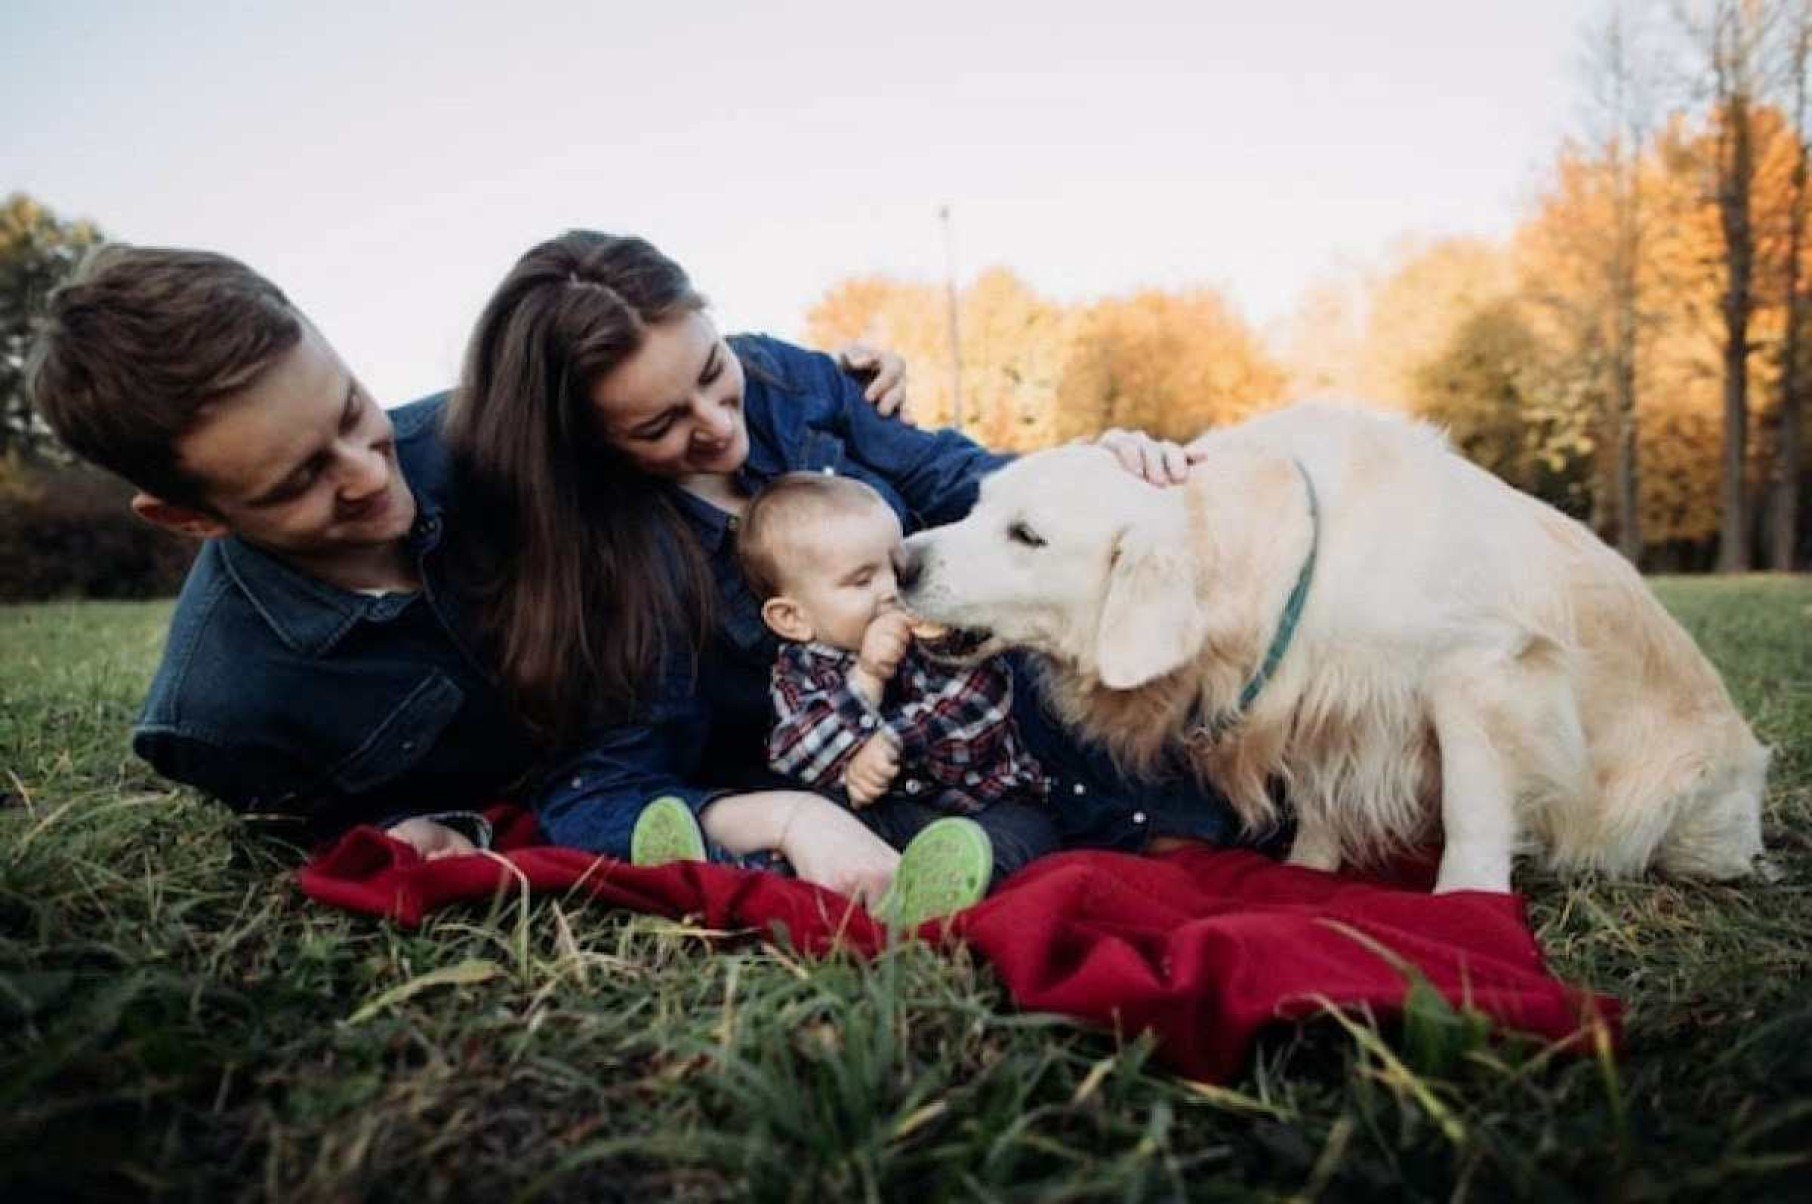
<point x="582" y="575"/>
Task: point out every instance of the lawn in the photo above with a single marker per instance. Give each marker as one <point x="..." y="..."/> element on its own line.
<point x="176" y="1021"/>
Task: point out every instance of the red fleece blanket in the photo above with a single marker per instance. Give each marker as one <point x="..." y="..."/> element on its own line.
<point x="1203" y="949"/>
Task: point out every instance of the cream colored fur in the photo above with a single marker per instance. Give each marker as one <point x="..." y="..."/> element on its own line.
<point x="1470" y="662"/>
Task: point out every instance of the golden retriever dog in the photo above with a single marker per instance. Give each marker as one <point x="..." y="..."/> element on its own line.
<point x="1338" y="603"/>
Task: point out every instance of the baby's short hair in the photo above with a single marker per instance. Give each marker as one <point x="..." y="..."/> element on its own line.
<point x="782" y="509"/>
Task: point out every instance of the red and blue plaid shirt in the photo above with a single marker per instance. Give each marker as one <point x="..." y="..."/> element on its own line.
<point x="958" y="746"/>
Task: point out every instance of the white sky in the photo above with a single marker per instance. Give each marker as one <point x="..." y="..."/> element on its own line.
<point x="386" y="162"/>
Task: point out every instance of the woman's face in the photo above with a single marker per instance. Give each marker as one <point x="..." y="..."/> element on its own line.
<point x="675" y="406"/>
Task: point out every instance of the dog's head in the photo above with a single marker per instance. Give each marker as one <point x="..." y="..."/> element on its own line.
<point x="1069" y="555"/>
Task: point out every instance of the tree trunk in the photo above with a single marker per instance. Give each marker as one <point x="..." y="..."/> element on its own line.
<point x="1627" y="110"/>
<point x="1629" y="511"/>
<point x="1733" y="531"/>
<point x="1738" y="170"/>
<point x="1789" y="458"/>
<point x="1784" y="504"/>
<point x="1623" y="400"/>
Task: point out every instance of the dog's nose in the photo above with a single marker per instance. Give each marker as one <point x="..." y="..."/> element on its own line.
<point x="908" y="565"/>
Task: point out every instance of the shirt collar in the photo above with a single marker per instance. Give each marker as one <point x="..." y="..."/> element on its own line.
<point x="308" y="614"/>
<point x="715" y="528"/>
<point x="816" y="654"/>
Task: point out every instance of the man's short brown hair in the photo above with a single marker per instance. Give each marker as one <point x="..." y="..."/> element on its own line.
<point x="781" y="511"/>
<point x="139" y="342"/>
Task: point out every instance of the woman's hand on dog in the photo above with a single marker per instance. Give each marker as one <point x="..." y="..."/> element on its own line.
<point x="1158" y="461"/>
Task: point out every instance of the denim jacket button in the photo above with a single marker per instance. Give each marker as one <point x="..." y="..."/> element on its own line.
<point x="1138" y="817"/>
<point x="912" y="786"/>
<point x="1079" y="788"/>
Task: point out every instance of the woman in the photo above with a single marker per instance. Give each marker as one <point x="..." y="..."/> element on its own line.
<point x="607" y="440"/>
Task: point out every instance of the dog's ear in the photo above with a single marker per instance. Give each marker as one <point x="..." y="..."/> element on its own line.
<point x="1152" y="622"/>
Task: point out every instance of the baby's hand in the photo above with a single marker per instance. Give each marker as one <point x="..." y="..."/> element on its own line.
<point x="884" y="644"/>
<point x="872" y="770"/>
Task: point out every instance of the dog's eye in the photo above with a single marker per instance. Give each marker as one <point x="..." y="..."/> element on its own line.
<point x="1020" y="533"/>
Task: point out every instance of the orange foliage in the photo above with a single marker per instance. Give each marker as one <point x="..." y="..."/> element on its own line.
<point x="1416" y="310"/>
<point x="1173" y="364"/>
<point x="1513" y="346"/>
<point x="1034" y="372"/>
<point x="1554" y="278"/>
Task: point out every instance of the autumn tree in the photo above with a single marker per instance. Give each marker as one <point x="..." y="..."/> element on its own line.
<point x="1623" y="113"/>
<point x="1502" y="409"/>
<point x="1035" y="372"/>
<point x="1789" y="457"/>
<point x="1415" y="305"/>
<point x="37" y="252"/>
<point x="1732" y="41"/>
<point x="1015" y="348"/>
<point x="1170" y="363"/>
<point x="1321" y="341"/>
<point x="905" y="317"/>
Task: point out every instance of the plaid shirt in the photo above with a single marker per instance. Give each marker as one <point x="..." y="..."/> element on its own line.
<point x="955" y="727"/>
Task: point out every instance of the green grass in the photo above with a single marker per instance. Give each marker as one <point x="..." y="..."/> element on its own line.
<point x="176" y="1021"/>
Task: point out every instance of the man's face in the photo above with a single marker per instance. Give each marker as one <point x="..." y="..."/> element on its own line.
<point x="303" y="462"/>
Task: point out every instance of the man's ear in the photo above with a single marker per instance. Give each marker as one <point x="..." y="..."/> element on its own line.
<point x="1152" y="622"/>
<point x="786" y="619"/>
<point x="183" y="520"/>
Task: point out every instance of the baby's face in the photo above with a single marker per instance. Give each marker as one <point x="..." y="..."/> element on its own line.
<point x="844" y="575"/>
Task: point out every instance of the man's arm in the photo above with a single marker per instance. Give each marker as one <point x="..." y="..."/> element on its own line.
<point x="245" y="777"/>
<point x="260" y="782"/>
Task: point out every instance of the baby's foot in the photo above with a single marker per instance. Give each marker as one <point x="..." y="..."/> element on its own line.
<point x="944" y="870"/>
<point x="666" y="831"/>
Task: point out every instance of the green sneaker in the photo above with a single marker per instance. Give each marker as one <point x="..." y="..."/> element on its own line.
<point x="945" y="869"/>
<point x="666" y="831"/>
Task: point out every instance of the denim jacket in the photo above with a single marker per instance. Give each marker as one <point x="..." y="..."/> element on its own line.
<point x="283" y="695"/>
<point x="704" y="733"/>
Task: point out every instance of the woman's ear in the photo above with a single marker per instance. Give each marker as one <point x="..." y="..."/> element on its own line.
<point x="786" y="619"/>
<point x="183" y="520"/>
<point x="1152" y="621"/>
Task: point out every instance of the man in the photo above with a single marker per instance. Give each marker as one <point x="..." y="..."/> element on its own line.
<point x="318" y="667"/>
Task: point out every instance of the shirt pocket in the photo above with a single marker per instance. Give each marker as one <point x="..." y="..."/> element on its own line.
<point x="403" y="739"/>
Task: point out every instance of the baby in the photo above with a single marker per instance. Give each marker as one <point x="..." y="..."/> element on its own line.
<point x="862" y="711"/>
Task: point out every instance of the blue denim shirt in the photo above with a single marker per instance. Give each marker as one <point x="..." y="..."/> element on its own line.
<point x="283" y="695"/>
<point x="704" y="734"/>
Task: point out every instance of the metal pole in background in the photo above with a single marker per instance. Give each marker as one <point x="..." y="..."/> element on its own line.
<point x="956" y="347"/>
